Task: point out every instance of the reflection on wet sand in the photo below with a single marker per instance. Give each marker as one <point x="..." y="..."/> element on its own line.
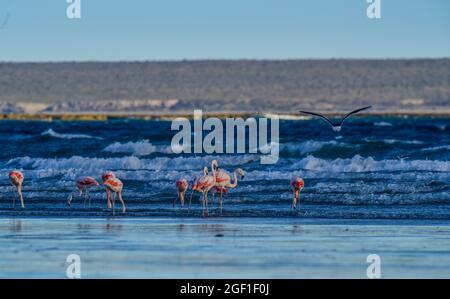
<point x="109" y="227"/>
<point x="16" y="226"/>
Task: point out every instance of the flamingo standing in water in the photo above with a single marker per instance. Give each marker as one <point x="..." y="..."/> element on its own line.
<point x="223" y="181"/>
<point x="297" y="185"/>
<point x="16" y="178"/>
<point x="106" y="176"/>
<point x="204" y="184"/>
<point x="182" y="186"/>
<point x="115" y="185"/>
<point x="83" y="185"/>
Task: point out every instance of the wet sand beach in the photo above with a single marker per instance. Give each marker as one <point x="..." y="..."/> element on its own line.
<point x="222" y="248"/>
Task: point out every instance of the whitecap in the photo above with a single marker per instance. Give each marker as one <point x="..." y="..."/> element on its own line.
<point x="393" y="141"/>
<point x="312" y="146"/>
<point x="382" y="124"/>
<point x="50" y="132"/>
<point x="369" y="164"/>
<point x="139" y="148"/>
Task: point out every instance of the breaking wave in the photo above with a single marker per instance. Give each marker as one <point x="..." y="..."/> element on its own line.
<point x="52" y="133"/>
<point x="139" y="148"/>
<point x="361" y="164"/>
<point x="382" y="124"/>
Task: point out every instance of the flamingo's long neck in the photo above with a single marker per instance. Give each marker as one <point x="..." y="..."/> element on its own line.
<point x="213" y="169"/>
<point x="235" y="181"/>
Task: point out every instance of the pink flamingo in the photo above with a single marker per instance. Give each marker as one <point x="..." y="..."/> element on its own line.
<point x="115" y="185"/>
<point x="182" y="186"/>
<point x="106" y="176"/>
<point x="16" y="178"/>
<point x="204" y="184"/>
<point x="83" y="185"/>
<point x="223" y="181"/>
<point x="297" y="185"/>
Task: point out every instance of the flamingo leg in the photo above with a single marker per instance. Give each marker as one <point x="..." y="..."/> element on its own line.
<point x="293" y="200"/>
<point x="108" y="198"/>
<point x="298" y="200"/>
<point x="220" y="200"/>
<point x="206" y="202"/>
<point x="190" y="199"/>
<point x="124" y="209"/>
<point x="19" y="191"/>
<point x="203" y="204"/>
<point x="182" y="194"/>
<point x="69" y="199"/>
<point x="113" y="204"/>
<point x="14" y="200"/>
<point x="83" y="193"/>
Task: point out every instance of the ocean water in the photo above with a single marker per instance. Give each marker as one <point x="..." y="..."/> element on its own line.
<point x="380" y="186"/>
<point x="375" y="168"/>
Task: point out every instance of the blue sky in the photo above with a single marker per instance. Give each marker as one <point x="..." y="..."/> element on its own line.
<point x="216" y="29"/>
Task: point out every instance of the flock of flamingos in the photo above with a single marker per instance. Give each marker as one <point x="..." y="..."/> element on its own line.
<point x="217" y="181"/>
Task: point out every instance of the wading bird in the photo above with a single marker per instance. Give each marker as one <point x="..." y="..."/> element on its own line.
<point x="297" y="185"/>
<point x="204" y="184"/>
<point x="336" y="126"/>
<point x="115" y="186"/>
<point x="182" y="186"/>
<point x="223" y="181"/>
<point x="16" y="178"/>
<point x="106" y="176"/>
<point x="83" y="185"/>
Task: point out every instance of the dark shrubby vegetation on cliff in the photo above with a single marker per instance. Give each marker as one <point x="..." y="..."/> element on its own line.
<point x="235" y="85"/>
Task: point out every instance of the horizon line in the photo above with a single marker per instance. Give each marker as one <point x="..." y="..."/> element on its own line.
<point x="222" y="59"/>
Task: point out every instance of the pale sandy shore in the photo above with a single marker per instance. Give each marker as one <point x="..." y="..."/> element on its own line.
<point x="222" y="248"/>
<point x="157" y="115"/>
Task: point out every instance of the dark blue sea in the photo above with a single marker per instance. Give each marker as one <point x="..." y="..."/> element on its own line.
<point x="375" y="168"/>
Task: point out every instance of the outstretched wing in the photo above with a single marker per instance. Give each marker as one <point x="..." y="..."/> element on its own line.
<point x="319" y="115"/>
<point x="354" y="112"/>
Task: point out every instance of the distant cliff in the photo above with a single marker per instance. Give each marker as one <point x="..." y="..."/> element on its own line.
<point x="240" y="85"/>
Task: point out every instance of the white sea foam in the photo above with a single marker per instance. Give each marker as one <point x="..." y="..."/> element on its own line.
<point x="312" y="146"/>
<point x="165" y="168"/>
<point x="77" y="165"/>
<point x="361" y="164"/>
<point x="393" y="141"/>
<point x="382" y="124"/>
<point x="436" y="148"/>
<point x="138" y="148"/>
<point x="52" y="133"/>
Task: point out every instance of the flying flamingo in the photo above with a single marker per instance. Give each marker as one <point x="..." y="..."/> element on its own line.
<point x="204" y="184"/>
<point x="297" y="185"/>
<point x="83" y="185"/>
<point x="106" y="176"/>
<point x="115" y="185"/>
<point x="16" y="178"/>
<point x="223" y="181"/>
<point x="182" y="186"/>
